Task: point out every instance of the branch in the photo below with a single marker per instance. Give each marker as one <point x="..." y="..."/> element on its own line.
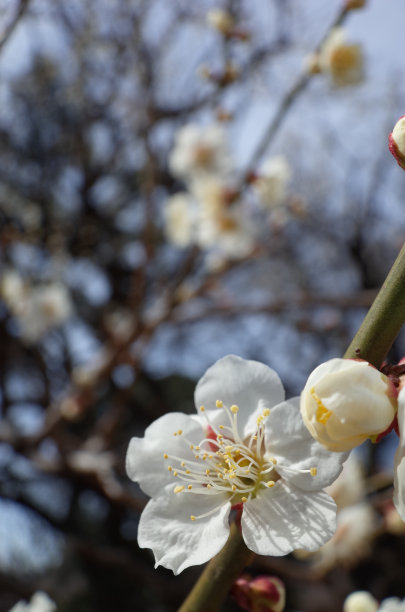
<point x="13" y="23"/>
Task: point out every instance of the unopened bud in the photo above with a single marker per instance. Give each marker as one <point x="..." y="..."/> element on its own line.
<point x="360" y="601"/>
<point x="344" y="402"/>
<point x="260" y="594"/>
<point x="396" y="142"/>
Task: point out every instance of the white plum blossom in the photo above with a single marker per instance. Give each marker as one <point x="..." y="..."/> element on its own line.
<point x="199" y="150"/>
<point x="342" y="61"/>
<point x="40" y="602"/>
<point x="346" y="401"/>
<point x="245" y="447"/>
<point x="271" y="182"/>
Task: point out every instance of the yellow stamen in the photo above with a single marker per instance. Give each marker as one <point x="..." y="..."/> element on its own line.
<point x="189" y="487"/>
<point x="266" y="412"/>
<point x="219" y="403"/>
<point x="244" y="499"/>
<point x="202" y="408"/>
<point x="234" y="409"/>
<point x="270" y="483"/>
<point x="165" y="456"/>
<point x="313" y="471"/>
<point x="192" y="517"/>
<point x="179" y="489"/>
<point x="322" y="413"/>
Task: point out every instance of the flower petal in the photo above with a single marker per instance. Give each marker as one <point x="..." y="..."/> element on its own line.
<point x="177" y="541"/>
<point x="399" y="461"/>
<point x="289" y="441"/>
<point x="145" y="462"/>
<point x="248" y="384"/>
<point x="283" y="519"/>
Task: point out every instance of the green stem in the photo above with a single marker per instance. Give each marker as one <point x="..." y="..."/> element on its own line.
<point x="221" y="572"/>
<point x="384" y="319"/>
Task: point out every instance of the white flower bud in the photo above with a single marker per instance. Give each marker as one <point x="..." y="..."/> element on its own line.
<point x="360" y="601"/>
<point x="397" y="142"/>
<point x="344" y="402"/>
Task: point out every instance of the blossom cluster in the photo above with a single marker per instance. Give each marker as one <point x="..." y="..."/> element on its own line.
<point x="210" y="213"/>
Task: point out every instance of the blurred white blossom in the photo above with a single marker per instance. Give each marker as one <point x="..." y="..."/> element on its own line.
<point x="221" y="20"/>
<point x="271" y="182"/>
<point x="360" y="601"/>
<point x="40" y="602"/>
<point x="342" y="61"/>
<point x="38" y="308"/>
<point x="199" y="150"/>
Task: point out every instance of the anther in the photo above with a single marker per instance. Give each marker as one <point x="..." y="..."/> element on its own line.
<point x="233" y="488"/>
<point x="273" y="460"/>
<point x="244" y="499"/>
<point x="234" y="409"/>
<point x="169" y="467"/>
<point x="165" y="456"/>
<point x="202" y="408"/>
<point x="266" y="412"/>
<point x="192" y="517"/>
<point x="189" y="487"/>
<point x="219" y="403"/>
<point x="175" y="474"/>
<point x="179" y="489"/>
<point x="313" y="471"/>
<point x="270" y="483"/>
<point x="180" y="431"/>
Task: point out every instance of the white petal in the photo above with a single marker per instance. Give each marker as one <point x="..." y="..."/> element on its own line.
<point x="283" y="519"/>
<point x="145" y="463"/>
<point x="250" y="385"/>
<point x="289" y="441"/>
<point x="177" y="541"/>
<point x="399" y="461"/>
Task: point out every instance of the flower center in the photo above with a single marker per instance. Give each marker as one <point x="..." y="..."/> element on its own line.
<point x="225" y="463"/>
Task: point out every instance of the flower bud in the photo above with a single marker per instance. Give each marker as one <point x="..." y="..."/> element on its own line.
<point x="260" y="594"/>
<point x="360" y="601"/>
<point x="396" y="142"/>
<point x="344" y="402"/>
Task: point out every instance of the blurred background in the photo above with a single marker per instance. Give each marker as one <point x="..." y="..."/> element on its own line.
<point x="180" y="181"/>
